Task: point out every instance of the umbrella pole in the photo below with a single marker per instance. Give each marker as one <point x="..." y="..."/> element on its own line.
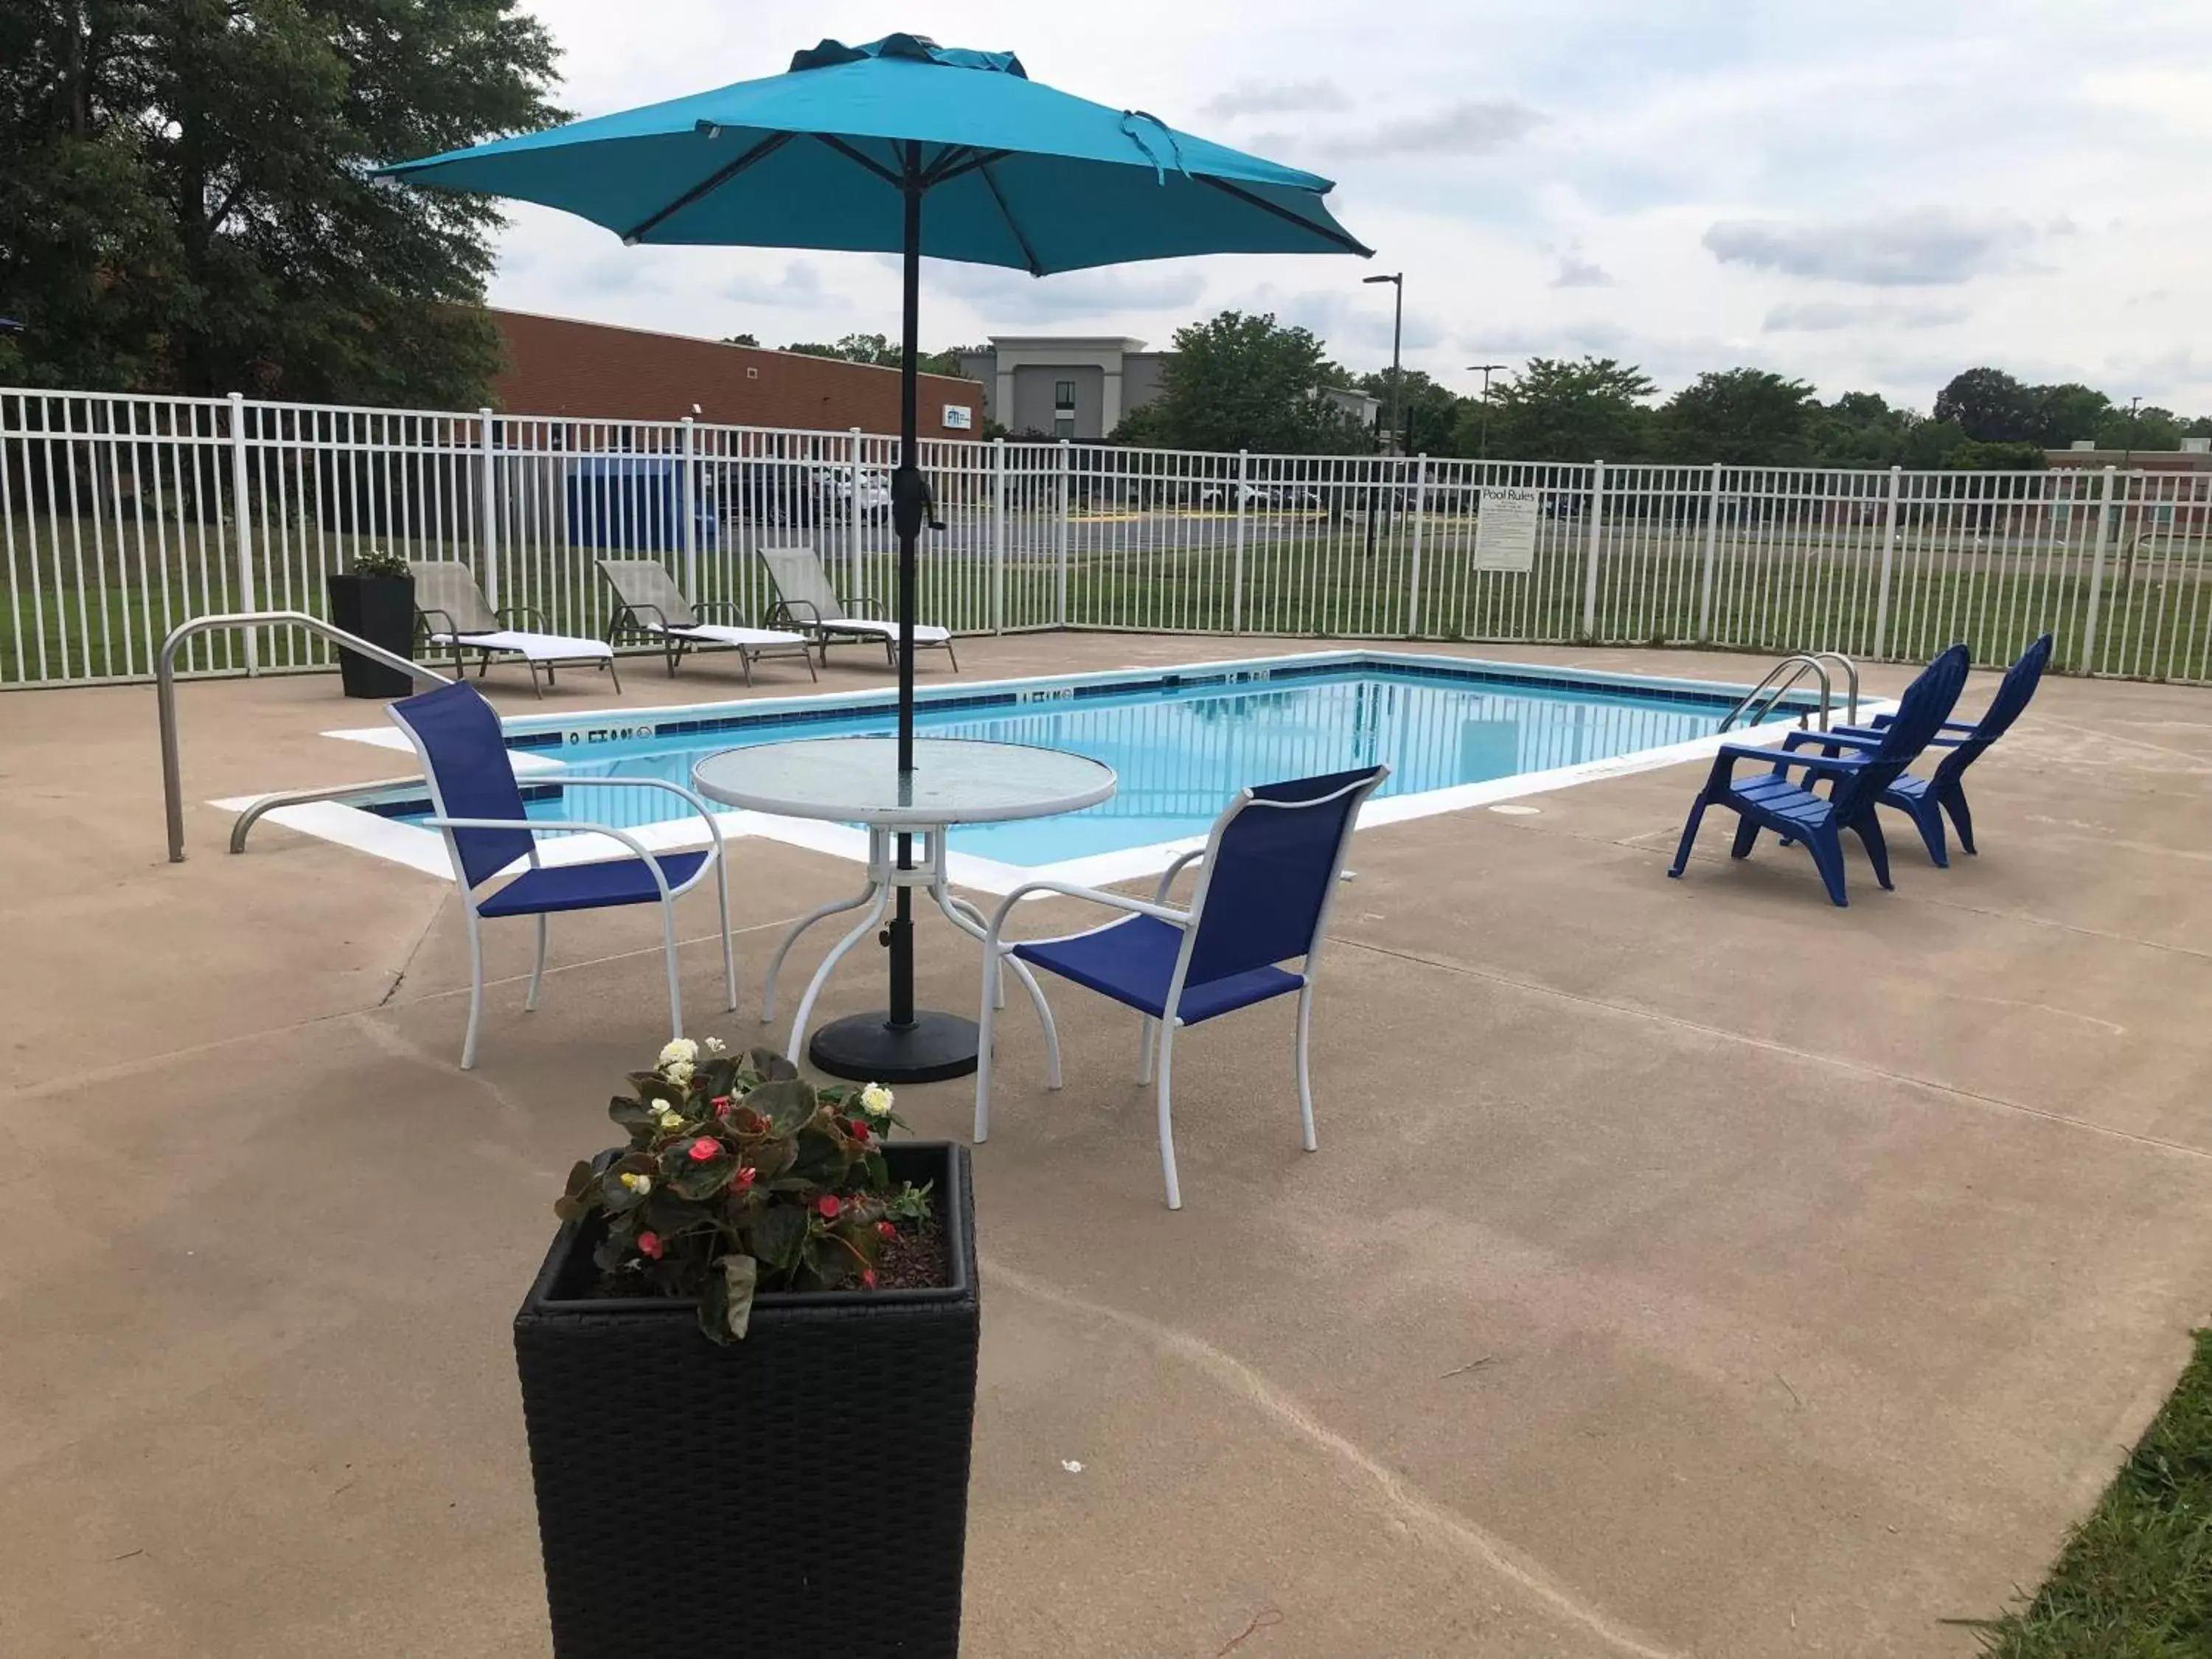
<point x="900" y="1044"/>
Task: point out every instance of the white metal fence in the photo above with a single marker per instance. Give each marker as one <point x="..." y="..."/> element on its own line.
<point x="121" y="516"/>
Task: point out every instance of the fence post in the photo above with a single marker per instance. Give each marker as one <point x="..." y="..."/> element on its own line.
<point x="1709" y="557"/>
<point x="1236" y="553"/>
<point x="1889" y="527"/>
<point x="1596" y="530"/>
<point x="487" y="511"/>
<point x="998" y="535"/>
<point x="1059" y="585"/>
<point x="241" y="526"/>
<point x="688" y="504"/>
<point x="1421" y="507"/>
<point x="2097" y="573"/>
<point x="853" y="517"/>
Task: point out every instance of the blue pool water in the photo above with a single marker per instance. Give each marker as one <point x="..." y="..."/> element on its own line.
<point x="1181" y="751"/>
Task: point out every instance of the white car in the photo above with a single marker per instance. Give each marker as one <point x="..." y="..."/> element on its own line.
<point x="1253" y="494"/>
<point x="835" y="484"/>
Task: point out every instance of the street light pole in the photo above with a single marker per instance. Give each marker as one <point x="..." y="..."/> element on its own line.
<point x="1486" y="370"/>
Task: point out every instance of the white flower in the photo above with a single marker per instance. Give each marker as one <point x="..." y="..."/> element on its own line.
<point x="678" y="1072"/>
<point x="640" y="1184"/>
<point x="715" y="1046"/>
<point x="876" y="1100"/>
<point x="681" y="1052"/>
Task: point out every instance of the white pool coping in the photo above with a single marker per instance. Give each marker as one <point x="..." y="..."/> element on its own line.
<point x="424" y="849"/>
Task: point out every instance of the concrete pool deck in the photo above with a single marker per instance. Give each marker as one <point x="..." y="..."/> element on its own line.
<point x="1688" y="1267"/>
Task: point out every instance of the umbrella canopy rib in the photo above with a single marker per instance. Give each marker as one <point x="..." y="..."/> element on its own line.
<point x="708" y="186"/>
<point x="1349" y="244"/>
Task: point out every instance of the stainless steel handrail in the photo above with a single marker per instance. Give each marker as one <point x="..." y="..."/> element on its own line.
<point x="252" y="815"/>
<point x="1852" y="672"/>
<point x="1796" y="665"/>
<point x="165" y="690"/>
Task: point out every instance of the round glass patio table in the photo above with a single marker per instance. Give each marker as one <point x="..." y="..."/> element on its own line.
<point x="856" y="781"/>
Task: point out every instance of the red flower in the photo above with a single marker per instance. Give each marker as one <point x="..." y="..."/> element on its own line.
<point x="743" y="1178"/>
<point x="649" y="1244"/>
<point x="721" y="1105"/>
<point x="868" y="1277"/>
<point x="829" y="1205"/>
<point x="857" y="1129"/>
<point x="704" y="1148"/>
<point x="886" y="1229"/>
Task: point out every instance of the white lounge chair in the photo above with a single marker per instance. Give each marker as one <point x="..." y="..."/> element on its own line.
<point x="806" y="600"/>
<point x="455" y="616"/>
<point x="649" y="605"/>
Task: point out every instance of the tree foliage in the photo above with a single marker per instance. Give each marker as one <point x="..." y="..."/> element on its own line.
<point x="1591" y="409"/>
<point x="1741" y="417"/>
<point x="883" y="351"/>
<point x="184" y="203"/>
<point x="1241" y="381"/>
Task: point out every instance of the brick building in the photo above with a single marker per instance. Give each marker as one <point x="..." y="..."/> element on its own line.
<point x="559" y="366"/>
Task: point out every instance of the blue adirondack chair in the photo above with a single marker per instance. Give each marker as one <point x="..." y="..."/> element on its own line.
<point x="1268" y="872"/>
<point x="479" y="811"/>
<point x="1925" y="800"/>
<point x="1769" y="800"/>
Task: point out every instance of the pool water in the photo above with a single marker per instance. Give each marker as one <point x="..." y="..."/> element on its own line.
<point x="1181" y="752"/>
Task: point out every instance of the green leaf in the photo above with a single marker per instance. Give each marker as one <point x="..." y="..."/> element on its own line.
<point x="696" y="1178"/>
<point x="777" y="1234"/>
<point x="821" y="1157"/>
<point x="769" y="1066"/>
<point x="786" y="1104"/>
<point x="632" y="1114"/>
<point x="740" y="1276"/>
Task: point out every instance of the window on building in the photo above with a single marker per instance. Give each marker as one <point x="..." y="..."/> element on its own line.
<point x="1063" y="394"/>
<point x="1064" y="427"/>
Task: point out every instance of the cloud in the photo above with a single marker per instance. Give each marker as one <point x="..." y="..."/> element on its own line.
<point x="1577" y="272"/>
<point x="1351" y="325"/>
<point x="1009" y="296"/>
<point x="1913" y="246"/>
<point x="1276" y="98"/>
<point x="799" y="288"/>
<point x="1817" y="316"/>
<point x="1477" y="127"/>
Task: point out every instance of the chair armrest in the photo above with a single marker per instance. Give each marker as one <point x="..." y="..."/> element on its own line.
<point x="1168" y="876"/>
<point x="1168" y="913"/>
<point x="789" y="611"/>
<point x="424" y="613"/>
<point x="576" y="826"/>
<point x="544" y="625"/>
<point x="627" y="615"/>
<point x="698" y="802"/>
<point x="729" y="607"/>
<point x="1723" y="770"/>
<point x="860" y="605"/>
<point x="1842" y="735"/>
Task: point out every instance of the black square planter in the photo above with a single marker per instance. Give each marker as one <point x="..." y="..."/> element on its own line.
<point x="803" y="1492"/>
<point x="380" y="609"/>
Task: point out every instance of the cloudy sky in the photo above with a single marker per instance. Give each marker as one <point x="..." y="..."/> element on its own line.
<point x="1870" y="196"/>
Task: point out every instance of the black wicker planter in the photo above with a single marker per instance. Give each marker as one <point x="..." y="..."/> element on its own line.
<point x="380" y="609"/>
<point x="804" y="1491"/>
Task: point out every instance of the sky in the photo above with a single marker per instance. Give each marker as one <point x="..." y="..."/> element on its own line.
<point x="1869" y="196"/>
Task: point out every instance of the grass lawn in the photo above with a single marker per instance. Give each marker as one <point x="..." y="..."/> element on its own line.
<point x="2134" y="1580"/>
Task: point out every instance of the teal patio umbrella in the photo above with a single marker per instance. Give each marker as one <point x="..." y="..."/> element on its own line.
<point x="904" y="146"/>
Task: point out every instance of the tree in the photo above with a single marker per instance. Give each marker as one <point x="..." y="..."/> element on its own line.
<point x="186" y="202"/>
<point x="1975" y="456"/>
<point x="2148" y="427"/>
<point x="1988" y="406"/>
<point x="879" y="350"/>
<point x="1242" y="381"/>
<point x="1741" y="417"/>
<point x="741" y="339"/>
<point x="1558" y="411"/>
<point x="1861" y="429"/>
<point x="1430" y="408"/>
<point x="2066" y="412"/>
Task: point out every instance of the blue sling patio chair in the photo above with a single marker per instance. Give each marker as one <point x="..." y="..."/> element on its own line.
<point x="478" y="809"/>
<point x="1925" y="800"/>
<point x="1268" y="873"/>
<point x="1768" y="799"/>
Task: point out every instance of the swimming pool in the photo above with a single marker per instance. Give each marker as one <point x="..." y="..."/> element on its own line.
<point x="1454" y="733"/>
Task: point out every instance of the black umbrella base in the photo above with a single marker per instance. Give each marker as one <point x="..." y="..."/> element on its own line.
<point x="868" y="1049"/>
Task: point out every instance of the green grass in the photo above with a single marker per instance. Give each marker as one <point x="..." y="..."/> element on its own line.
<point x="2134" y="1580"/>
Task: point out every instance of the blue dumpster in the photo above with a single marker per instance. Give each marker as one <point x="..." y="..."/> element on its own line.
<point x="634" y="504"/>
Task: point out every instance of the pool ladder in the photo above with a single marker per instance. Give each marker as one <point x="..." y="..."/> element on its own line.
<point x="165" y="693"/>
<point x="1759" y="702"/>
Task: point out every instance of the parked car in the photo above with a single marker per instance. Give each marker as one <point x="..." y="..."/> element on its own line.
<point x="835" y="484"/>
<point x="1221" y="494"/>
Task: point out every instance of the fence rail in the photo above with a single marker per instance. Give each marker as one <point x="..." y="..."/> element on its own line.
<point x="121" y="516"/>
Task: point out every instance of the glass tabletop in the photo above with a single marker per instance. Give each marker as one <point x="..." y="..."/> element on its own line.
<point x="856" y="781"/>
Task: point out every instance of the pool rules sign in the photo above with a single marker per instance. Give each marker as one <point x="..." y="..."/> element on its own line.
<point x="1505" y="529"/>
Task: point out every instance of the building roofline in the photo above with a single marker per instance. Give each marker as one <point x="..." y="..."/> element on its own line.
<point x="702" y="339"/>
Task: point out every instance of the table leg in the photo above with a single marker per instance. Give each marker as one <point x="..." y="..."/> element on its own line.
<point x="869" y="923"/>
<point x="791" y="937"/>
